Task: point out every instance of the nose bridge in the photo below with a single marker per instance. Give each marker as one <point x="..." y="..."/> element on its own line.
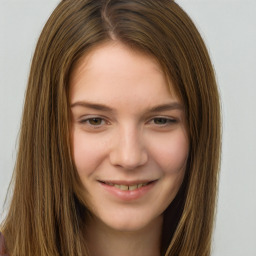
<point x="129" y="150"/>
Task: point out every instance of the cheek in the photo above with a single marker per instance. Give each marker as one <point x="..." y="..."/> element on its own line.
<point x="171" y="152"/>
<point x="87" y="152"/>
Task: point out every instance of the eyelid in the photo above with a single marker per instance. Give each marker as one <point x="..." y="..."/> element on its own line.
<point x="169" y="120"/>
<point x="85" y="120"/>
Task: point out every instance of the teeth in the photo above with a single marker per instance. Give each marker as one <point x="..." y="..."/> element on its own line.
<point x="126" y="188"/>
<point x="133" y="187"/>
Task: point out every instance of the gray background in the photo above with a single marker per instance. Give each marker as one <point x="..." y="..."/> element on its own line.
<point x="229" y="29"/>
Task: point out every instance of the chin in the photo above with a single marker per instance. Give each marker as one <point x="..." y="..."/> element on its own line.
<point x="130" y="223"/>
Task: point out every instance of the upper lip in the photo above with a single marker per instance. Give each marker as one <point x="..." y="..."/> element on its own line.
<point x="127" y="183"/>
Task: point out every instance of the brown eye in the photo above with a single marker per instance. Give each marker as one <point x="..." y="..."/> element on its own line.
<point x="163" y="121"/>
<point x="160" y="121"/>
<point x="95" y="121"/>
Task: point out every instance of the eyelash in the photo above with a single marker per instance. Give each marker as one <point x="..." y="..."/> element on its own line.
<point x="167" y="121"/>
<point x="88" y="120"/>
<point x="164" y="121"/>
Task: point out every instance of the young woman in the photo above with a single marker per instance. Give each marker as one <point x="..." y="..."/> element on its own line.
<point x="120" y="139"/>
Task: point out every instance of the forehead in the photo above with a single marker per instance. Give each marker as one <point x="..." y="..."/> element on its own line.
<point x="116" y="54"/>
<point x="116" y="68"/>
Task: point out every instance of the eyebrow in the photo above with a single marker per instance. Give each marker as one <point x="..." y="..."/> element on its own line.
<point x="102" y="107"/>
<point x="169" y="106"/>
<point x="91" y="105"/>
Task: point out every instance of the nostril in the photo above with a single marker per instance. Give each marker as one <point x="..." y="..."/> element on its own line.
<point x="128" y="150"/>
<point x="129" y="162"/>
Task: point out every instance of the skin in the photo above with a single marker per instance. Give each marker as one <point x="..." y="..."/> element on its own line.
<point x="131" y="139"/>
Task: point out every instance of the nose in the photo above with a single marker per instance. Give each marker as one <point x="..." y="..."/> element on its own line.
<point x="128" y="150"/>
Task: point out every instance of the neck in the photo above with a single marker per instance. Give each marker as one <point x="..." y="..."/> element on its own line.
<point x="104" y="241"/>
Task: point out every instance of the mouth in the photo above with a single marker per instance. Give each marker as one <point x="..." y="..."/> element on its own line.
<point x="127" y="187"/>
<point x="127" y="191"/>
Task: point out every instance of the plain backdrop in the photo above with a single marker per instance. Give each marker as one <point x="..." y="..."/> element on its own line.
<point x="229" y="30"/>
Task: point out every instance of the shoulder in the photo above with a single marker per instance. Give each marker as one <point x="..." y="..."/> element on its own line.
<point x="2" y="246"/>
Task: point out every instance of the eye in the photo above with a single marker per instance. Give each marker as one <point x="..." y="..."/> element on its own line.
<point x="95" y="122"/>
<point x="162" y="121"/>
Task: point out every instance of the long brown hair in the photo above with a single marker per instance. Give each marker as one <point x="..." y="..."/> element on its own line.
<point x="47" y="212"/>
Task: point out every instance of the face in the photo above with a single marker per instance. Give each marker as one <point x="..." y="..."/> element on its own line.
<point x="129" y="140"/>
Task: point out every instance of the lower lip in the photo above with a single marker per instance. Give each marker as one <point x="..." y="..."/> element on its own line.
<point x="128" y="195"/>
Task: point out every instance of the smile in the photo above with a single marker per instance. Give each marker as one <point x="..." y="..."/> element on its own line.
<point x="124" y="187"/>
<point x="128" y="190"/>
